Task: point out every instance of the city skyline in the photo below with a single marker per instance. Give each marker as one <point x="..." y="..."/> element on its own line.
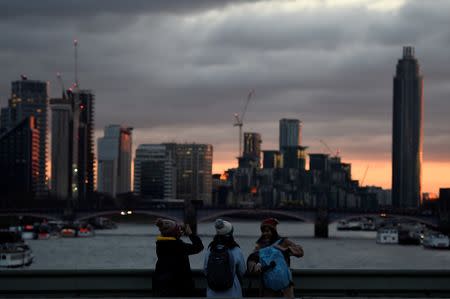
<point x="336" y="78"/>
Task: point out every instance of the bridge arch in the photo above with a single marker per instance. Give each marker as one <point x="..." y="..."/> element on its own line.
<point x="30" y="214"/>
<point x="255" y="212"/>
<point x="138" y="212"/>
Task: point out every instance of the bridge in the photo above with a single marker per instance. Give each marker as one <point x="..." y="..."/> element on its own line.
<point x="200" y="214"/>
<point x="210" y="214"/>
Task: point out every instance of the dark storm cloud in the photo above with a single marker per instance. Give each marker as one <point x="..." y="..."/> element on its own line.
<point x="181" y="69"/>
<point x="84" y="8"/>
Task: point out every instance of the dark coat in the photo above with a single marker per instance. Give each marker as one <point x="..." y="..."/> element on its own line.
<point x="173" y="276"/>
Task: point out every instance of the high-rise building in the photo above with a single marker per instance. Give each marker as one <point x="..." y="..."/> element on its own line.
<point x="64" y="149"/>
<point x="30" y="98"/>
<point x="5" y="120"/>
<point x="155" y="171"/>
<point x="272" y="159"/>
<point x="19" y="160"/>
<point x="319" y="162"/>
<point x="114" y="160"/>
<point x="290" y="133"/>
<point x="252" y="150"/>
<point x="83" y="101"/>
<point x="194" y="172"/>
<point x="294" y="157"/>
<point x="407" y="132"/>
<point x="444" y="209"/>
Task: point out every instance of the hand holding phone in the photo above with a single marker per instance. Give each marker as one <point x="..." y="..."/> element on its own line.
<point x="187" y="230"/>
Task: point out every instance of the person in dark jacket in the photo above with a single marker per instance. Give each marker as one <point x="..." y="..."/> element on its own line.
<point x="269" y="236"/>
<point x="173" y="276"/>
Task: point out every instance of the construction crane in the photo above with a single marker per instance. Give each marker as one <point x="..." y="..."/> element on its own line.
<point x="326" y="146"/>
<point x="329" y="149"/>
<point x="75" y="46"/>
<point x="364" y="176"/>
<point x="239" y="121"/>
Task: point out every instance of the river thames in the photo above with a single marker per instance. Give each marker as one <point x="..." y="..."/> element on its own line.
<point x="132" y="246"/>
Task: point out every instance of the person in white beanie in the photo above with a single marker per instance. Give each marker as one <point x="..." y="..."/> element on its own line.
<point x="224" y="263"/>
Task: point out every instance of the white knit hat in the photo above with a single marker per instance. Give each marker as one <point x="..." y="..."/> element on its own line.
<point x="223" y="227"/>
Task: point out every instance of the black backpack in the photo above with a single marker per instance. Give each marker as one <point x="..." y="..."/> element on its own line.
<point x="219" y="270"/>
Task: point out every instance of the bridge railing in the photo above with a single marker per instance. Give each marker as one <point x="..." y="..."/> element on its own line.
<point x="337" y="283"/>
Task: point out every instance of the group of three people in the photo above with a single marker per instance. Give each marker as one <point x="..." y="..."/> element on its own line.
<point x="173" y="276"/>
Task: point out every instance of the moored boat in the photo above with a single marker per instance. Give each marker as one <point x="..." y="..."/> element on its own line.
<point x="14" y="252"/>
<point x="68" y="232"/>
<point x="43" y="232"/>
<point x="434" y="239"/>
<point x="29" y="232"/>
<point x="387" y="236"/>
<point x="409" y="234"/>
<point x="368" y="224"/>
<point x="86" y="231"/>
<point x="342" y="225"/>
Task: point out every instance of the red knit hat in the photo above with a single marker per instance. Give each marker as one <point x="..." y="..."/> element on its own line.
<point x="270" y="222"/>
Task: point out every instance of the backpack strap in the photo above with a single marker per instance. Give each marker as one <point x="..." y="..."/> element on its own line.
<point x="278" y="242"/>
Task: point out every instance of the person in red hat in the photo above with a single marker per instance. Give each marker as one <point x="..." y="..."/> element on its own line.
<point x="270" y="237"/>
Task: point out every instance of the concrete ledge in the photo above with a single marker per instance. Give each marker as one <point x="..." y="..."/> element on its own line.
<point x="332" y="282"/>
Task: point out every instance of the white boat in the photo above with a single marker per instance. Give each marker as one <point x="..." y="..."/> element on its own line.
<point x="368" y="225"/>
<point x="354" y="225"/>
<point x="435" y="240"/>
<point x="28" y="232"/>
<point x="342" y="225"/>
<point x="13" y="251"/>
<point x="387" y="236"/>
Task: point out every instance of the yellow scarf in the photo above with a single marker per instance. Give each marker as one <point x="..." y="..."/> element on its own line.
<point x="161" y="238"/>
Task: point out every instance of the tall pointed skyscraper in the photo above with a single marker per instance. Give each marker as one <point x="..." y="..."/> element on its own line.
<point x="407" y="132"/>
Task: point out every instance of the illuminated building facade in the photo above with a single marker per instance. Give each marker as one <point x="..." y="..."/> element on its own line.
<point x="19" y="161"/>
<point x="114" y="160"/>
<point x="30" y="98"/>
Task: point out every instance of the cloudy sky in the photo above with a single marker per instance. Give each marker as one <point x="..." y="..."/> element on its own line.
<point x="179" y="70"/>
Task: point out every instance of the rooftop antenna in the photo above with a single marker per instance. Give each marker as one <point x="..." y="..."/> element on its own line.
<point x="75" y="46"/>
<point x="61" y="83"/>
